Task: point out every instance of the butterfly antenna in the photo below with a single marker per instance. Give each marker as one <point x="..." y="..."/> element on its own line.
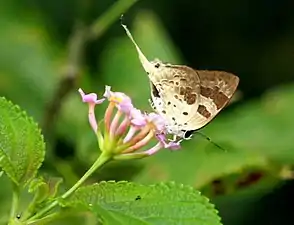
<point x="208" y="139"/>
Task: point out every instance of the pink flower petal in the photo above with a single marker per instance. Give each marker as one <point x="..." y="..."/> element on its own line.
<point x="114" y="123"/>
<point x="92" y="100"/>
<point x="92" y="118"/>
<point x="143" y="142"/>
<point x="125" y="106"/>
<point x="154" y="149"/>
<point x="171" y="145"/>
<point x="157" y="120"/>
<point x="123" y="126"/>
<point x="123" y="102"/>
<point x="130" y="134"/>
<point x="137" y="118"/>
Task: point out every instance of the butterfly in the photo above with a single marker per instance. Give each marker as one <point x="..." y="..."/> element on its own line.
<point x="188" y="99"/>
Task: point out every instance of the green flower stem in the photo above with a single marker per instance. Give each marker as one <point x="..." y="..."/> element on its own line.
<point x="103" y="158"/>
<point x="99" y="162"/>
<point x="103" y="22"/>
<point x="15" y="201"/>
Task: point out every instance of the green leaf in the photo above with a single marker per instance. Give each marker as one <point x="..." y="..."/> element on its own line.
<point x="130" y="203"/>
<point x="44" y="188"/>
<point x="22" y="148"/>
<point x="53" y="184"/>
<point x="44" y="191"/>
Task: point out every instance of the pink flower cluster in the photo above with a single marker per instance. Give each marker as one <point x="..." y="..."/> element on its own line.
<point x="126" y="129"/>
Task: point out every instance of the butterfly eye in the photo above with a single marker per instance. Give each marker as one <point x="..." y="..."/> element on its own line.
<point x="188" y="134"/>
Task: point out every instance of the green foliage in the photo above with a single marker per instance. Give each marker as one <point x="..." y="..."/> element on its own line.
<point x="29" y="62"/>
<point x="22" y="148"/>
<point x="41" y="189"/>
<point x="130" y="203"/>
<point x="35" y="57"/>
<point x="44" y="188"/>
<point x="44" y="191"/>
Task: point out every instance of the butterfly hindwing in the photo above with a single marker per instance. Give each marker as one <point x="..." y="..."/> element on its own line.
<point x="216" y="90"/>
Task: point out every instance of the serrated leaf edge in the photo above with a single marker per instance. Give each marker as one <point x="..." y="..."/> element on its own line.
<point x="38" y="130"/>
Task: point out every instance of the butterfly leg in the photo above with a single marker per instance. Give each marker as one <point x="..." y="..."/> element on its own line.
<point x="175" y="137"/>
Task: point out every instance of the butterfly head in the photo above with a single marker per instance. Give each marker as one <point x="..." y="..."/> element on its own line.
<point x="188" y="134"/>
<point x="179" y="133"/>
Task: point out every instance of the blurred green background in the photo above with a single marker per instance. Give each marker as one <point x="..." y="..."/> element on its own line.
<point x="48" y="49"/>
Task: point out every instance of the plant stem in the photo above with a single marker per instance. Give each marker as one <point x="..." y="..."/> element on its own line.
<point x="75" y="54"/>
<point x="53" y="216"/>
<point x="103" y="22"/>
<point x="15" y="202"/>
<point x="103" y="158"/>
<point x="48" y="218"/>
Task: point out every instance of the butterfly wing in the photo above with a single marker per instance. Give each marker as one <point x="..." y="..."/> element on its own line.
<point x="216" y="90"/>
<point x="175" y="94"/>
<point x="187" y="98"/>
